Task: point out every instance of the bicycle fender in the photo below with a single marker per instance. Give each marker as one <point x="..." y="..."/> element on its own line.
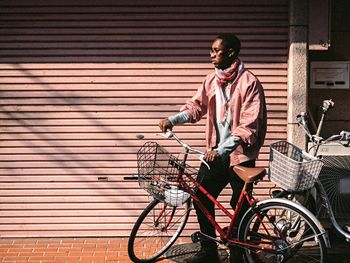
<point x="324" y="233"/>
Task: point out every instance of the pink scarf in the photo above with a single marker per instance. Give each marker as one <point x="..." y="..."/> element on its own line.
<point x="222" y="78"/>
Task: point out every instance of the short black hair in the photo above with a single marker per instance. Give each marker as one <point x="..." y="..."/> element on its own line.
<point x="230" y="40"/>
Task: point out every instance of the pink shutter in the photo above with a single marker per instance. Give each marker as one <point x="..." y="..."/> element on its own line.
<point x="79" y="80"/>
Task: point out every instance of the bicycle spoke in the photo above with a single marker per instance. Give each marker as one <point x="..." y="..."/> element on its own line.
<point x="294" y="238"/>
<point x="156" y="230"/>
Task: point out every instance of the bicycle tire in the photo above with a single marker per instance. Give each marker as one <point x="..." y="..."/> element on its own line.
<point x="295" y="234"/>
<point x="146" y="247"/>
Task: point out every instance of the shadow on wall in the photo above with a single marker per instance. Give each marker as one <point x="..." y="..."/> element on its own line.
<point x="79" y="81"/>
<point x="61" y="134"/>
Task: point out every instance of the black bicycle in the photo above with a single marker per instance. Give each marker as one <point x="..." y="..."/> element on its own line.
<point x="328" y="195"/>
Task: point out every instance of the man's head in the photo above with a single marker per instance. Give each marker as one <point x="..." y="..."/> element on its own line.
<point x="224" y="50"/>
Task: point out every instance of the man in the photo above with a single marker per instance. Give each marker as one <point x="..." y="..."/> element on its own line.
<point x="234" y="101"/>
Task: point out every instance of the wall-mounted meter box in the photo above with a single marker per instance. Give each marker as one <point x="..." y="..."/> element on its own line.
<point x="329" y="75"/>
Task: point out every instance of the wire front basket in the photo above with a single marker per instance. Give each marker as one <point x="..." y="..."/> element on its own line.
<point x="160" y="174"/>
<point x="290" y="169"/>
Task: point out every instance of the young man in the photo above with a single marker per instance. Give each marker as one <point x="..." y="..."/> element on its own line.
<point x="234" y="101"/>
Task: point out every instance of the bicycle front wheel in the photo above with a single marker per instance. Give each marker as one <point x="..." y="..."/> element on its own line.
<point x="156" y="230"/>
<point x="284" y="233"/>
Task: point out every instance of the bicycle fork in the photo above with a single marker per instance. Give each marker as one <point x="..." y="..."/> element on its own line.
<point x="160" y="215"/>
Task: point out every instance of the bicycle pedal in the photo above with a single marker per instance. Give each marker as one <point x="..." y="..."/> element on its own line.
<point x="196" y="237"/>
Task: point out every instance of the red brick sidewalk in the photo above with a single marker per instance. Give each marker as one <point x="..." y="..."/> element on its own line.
<point x="98" y="250"/>
<point x="66" y="250"/>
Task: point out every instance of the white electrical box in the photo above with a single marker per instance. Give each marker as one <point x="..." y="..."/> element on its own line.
<point x="329" y="75"/>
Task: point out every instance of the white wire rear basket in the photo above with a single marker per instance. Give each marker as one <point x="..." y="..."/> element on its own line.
<point x="290" y="169"/>
<point x="159" y="171"/>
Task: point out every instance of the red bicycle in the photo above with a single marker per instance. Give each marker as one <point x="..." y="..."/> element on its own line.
<point x="273" y="230"/>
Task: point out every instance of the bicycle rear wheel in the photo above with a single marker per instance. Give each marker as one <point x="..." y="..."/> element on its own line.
<point x="286" y="233"/>
<point x="156" y="230"/>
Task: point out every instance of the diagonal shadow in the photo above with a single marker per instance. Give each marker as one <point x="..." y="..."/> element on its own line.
<point x="65" y="150"/>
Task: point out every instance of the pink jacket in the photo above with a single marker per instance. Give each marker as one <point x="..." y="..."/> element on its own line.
<point x="248" y="111"/>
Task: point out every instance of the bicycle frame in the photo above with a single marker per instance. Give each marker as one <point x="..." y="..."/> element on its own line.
<point x="225" y="235"/>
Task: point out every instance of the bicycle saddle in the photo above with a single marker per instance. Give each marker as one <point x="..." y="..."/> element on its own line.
<point x="248" y="174"/>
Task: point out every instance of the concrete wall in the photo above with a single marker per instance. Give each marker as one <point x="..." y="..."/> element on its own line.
<point x="339" y="118"/>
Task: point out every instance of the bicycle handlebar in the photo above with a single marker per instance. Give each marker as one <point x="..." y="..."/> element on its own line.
<point x="302" y="120"/>
<point x="342" y="136"/>
<point x="316" y="139"/>
<point x="172" y="135"/>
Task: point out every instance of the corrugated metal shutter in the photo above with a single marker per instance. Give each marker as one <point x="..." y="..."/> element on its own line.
<point x="80" y="79"/>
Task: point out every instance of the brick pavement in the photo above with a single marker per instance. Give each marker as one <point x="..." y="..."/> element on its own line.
<point x="97" y="250"/>
<point x="66" y="250"/>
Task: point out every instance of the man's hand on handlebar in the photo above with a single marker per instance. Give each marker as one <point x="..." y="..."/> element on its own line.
<point x="165" y="125"/>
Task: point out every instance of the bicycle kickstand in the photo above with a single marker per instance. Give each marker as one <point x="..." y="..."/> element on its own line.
<point x="199" y="236"/>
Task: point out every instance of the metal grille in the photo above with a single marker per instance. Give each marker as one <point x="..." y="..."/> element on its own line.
<point x="335" y="178"/>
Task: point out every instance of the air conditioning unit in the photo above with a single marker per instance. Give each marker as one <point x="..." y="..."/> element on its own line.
<point x="335" y="178"/>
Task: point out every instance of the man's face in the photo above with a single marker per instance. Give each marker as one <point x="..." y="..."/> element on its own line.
<point x="220" y="57"/>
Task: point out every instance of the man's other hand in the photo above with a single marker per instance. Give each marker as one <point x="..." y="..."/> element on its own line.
<point x="210" y="156"/>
